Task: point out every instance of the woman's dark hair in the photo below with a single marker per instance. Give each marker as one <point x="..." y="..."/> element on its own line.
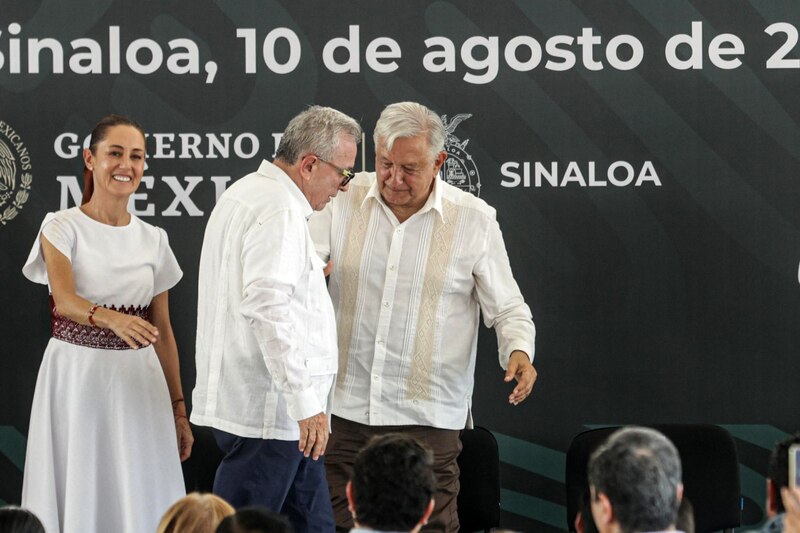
<point x="16" y="520"/>
<point x="99" y="133"/>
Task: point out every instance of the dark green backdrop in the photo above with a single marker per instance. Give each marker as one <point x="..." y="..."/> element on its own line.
<point x="672" y="298"/>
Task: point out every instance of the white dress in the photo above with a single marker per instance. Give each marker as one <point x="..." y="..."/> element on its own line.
<point x="102" y="450"/>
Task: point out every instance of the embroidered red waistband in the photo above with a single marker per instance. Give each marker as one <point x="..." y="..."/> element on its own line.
<point x="92" y="336"/>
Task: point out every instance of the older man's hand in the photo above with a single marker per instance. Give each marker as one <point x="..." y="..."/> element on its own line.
<point x="314" y="435"/>
<point x="521" y="369"/>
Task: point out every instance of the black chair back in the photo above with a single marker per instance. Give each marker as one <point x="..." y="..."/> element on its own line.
<point x="479" y="495"/>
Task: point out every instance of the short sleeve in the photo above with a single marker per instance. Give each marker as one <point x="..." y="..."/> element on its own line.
<point x="61" y="235"/>
<point x="167" y="272"/>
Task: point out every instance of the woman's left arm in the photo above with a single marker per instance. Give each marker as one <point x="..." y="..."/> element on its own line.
<point x="167" y="351"/>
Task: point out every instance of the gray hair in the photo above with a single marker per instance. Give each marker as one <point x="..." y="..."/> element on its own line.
<point x="409" y="119"/>
<point x="639" y="470"/>
<point x="316" y="130"/>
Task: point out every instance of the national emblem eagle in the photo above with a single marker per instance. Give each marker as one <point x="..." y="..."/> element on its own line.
<point x="8" y="168"/>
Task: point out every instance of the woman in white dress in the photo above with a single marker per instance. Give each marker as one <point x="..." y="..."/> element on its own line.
<point x="102" y="450"/>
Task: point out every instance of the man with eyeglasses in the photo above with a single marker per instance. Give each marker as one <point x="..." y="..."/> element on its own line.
<point x="266" y="334"/>
<point x="415" y="262"/>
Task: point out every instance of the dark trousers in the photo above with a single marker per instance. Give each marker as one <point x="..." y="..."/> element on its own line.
<point x="274" y="474"/>
<point x="347" y="438"/>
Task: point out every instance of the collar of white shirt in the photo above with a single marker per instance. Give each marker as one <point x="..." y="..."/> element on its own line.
<point x="434" y="200"/>
<point x="270" y="170"/>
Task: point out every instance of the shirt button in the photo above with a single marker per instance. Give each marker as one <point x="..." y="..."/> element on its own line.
<point x="386" y="304"/>
<point x="380" y="341"/>
<point x="392" y="267"/>
<point x="376" y="378"/>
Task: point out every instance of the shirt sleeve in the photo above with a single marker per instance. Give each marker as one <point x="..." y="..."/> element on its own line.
<point x="167" y="272"/>
<point x="61" y="235"/>
<point x="274" y="257"/>
<point x="501" y="301"/>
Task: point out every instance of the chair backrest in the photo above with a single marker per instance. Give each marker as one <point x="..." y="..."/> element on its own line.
<point x="710" y="472"/>
<point x="479" y="495"/>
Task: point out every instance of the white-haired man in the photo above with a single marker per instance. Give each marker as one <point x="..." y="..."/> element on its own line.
<point x="415" y="263"/>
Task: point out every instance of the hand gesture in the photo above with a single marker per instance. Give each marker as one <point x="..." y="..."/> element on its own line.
<point x="791" y="502"/>
<point x="521" y="369"/>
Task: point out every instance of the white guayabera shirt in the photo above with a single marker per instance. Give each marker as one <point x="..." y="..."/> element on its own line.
<point x="408" y="298"/>
<point x="266" y="334"/>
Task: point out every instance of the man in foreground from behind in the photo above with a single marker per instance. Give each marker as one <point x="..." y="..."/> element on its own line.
<point x="635" y="482"/>
<point x="392" y="485"/>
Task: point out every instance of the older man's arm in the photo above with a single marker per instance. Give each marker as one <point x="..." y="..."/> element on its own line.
<point x="274" y="257"/>
<point x="505" y="310"/>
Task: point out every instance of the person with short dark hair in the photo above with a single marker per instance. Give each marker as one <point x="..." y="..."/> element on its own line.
<point x="635" y="482"/>
<point x="392" y="485"/>
<point x="255" y="520"/>
<point x="17" y="520"/>
<point x="777" y="479"/>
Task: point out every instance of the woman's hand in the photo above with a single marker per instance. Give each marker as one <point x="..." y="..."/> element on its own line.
<point x="185" y="437"/>
<point x="136" y="332"/>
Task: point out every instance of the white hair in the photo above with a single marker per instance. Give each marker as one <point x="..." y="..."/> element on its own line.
<point x="316" y="130"/>
<point x="409" y="119"/>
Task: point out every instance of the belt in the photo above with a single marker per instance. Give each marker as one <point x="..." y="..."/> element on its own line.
<point x="92" y="336"/>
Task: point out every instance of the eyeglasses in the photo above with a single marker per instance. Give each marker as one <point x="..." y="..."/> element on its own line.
<point x="346" y="173"/>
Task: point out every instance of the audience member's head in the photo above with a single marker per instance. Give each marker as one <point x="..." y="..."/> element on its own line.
<point x="392" y="485"/>
<point x="195" y="512"/>
<point x="16" y="520"/>
<point x="685" y="520"/>
<point x="255" y="520"/>
<point x="778" y="474"/>
<point x="635" y="480"/>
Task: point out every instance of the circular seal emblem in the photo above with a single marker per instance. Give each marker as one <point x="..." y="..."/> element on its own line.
<point x="15" y="173"/>
<point x="459" y="169"/>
